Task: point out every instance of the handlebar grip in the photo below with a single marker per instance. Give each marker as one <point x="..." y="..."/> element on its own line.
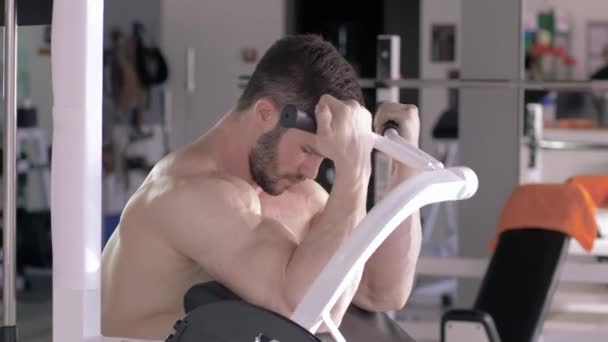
<point x="291" y="117"/>
<point x="390" y="125"/>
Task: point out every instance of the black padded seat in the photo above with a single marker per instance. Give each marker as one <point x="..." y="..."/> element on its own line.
<point x="213" y="299"/>
<point x="518" y="285"/>
<point x="520" y="281"/>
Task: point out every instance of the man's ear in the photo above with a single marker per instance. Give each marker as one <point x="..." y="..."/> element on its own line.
<point x="266" y="112"/>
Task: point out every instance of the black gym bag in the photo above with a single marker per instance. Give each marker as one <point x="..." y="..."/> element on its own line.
<point x="150" y="63"/>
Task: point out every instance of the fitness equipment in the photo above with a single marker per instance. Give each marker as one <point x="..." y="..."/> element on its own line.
<point x="76" y="210"/>
<point x="433" y="184"/>
<point x="357" y="324"/>
<point x="529" y="258"/>
<point x="516" y="290"/>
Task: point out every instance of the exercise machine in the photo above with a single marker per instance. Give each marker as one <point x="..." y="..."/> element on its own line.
<point x="76" y="269"/>
<point x="76" y="185"/>
<point x="213" y="311"/>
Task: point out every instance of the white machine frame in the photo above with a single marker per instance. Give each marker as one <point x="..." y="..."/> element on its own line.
<point x="433" y="184"/>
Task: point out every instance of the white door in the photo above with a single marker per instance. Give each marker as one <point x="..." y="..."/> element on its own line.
<point x="213" y="34"/>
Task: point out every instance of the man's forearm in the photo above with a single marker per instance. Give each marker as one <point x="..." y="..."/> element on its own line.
<point x="345" y="208"/>
<point x="389" y="273"/>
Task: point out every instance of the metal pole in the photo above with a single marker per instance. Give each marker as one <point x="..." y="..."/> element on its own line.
<point x="513" y="84"/>
<point x="572" y="145"/>
<point x="459" y="84"/>
<point x="9" y="330"/>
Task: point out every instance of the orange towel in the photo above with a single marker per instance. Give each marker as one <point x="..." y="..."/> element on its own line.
<point x="561" y="207"/>
<point x="595" y="185"/>
<point x="573" y="123"/>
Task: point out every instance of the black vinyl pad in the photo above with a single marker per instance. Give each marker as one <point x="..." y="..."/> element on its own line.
<point x="519" y="282"/>
<point x="231" y="314"/>
<point x="237" y="321"/>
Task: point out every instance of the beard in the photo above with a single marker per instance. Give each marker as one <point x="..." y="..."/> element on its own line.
<point x="263" y="163"/>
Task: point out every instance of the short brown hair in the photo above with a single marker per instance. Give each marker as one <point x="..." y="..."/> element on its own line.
<point x="298" y="70"/>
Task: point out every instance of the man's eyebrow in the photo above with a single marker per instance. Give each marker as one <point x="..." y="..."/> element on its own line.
<point x="314" y="151"/>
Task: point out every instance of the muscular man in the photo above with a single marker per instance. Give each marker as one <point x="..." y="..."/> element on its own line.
<point x="240" y="205"/>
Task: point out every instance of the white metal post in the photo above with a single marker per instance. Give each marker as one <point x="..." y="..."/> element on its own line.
<point x="76" y="52"/>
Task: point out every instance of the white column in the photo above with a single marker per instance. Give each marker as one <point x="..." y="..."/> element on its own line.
<point x="489" y="121"/>
<point x="76" y="168"/>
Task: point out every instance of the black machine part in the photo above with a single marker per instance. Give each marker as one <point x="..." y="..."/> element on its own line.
<point x="31" y="12"/>
<point x="214" y="313"/>
<point x="8" y="333"/>
<point x="292" y="117"/>
<point x="477" y="316"/>
<point x="237" y="321"/>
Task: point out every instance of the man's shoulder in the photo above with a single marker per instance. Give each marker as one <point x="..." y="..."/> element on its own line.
<point x="213" y="186"/>
<point x="202" y="203"/>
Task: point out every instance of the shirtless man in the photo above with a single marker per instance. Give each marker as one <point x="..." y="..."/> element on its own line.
<point x="240" y="205"/>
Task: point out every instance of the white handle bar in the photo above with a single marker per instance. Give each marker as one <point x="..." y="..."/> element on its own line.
<point x="433" y="184"/>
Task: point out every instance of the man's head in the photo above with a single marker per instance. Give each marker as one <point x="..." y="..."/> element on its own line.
<point x="295" y="70"/>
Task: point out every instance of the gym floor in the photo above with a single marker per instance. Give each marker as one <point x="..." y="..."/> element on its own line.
<point x="34" y="310"/>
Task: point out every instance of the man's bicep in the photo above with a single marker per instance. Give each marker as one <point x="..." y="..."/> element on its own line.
<point x="236" y="247"/>
<point x="257" y="266"/>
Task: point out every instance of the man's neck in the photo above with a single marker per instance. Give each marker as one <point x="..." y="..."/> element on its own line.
<point x="230" y="144"/>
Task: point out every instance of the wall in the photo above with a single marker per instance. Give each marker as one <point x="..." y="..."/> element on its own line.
<point x="34" y="80"/>
<point x="434" y="100"/>
<point x="581" y="12"/>
<point x="33" y="75"/>
<point x="217" y="31"/>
